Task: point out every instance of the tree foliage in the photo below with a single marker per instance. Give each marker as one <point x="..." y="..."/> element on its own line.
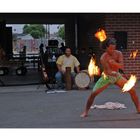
<point x="61" y="32"/>
<point x="35" y="30"/>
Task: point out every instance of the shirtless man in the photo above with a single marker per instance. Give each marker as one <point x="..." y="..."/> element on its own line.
<point x="112" y="61"/>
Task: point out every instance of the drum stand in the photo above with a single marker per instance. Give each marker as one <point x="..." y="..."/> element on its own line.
<point x="41" y="81"/>
<point x="50" y="88"/>
<point x="46" y="84"/>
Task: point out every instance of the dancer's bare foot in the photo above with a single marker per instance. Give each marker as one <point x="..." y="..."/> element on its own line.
<point x="84" y="114"/>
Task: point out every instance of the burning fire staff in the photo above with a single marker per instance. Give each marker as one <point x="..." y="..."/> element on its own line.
<point x="112" y="61"/>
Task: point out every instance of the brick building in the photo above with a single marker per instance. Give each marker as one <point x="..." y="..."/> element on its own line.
<point x="124" y="27"/>
<point x="129" y="23"/>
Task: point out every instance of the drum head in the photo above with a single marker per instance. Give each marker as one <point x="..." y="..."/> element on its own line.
<point x="82" y="80"/>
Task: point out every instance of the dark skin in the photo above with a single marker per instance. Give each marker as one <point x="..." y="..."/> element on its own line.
<point x="112" y="61"/>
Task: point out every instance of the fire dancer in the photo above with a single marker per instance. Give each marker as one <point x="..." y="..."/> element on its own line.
<point x="112" y="61"/>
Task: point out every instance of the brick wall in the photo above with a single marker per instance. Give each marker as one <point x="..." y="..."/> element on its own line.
<point x="131" y="24"/>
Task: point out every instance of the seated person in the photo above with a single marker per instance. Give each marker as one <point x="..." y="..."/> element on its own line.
<point x="63" y="47"/>
<point x="84" y="59"/>
<point x="66" y="60"/>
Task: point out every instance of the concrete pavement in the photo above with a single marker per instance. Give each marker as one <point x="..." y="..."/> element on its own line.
<point x="30" y="107"/>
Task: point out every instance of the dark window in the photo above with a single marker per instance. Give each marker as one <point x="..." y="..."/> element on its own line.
<point x="121" y="38"/>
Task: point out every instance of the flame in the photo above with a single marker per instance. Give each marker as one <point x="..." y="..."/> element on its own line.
<point x="104" y="75"/>
<point x="133" y="54"/>
<point x="92" y="68"/>
<point x="130" y="83"/>
<point x="101" y="35"/>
